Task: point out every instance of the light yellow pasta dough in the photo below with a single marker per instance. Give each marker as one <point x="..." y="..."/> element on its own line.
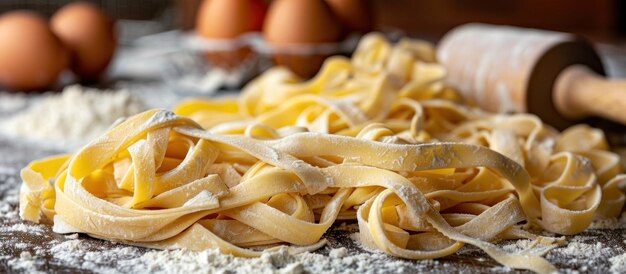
<point x="378" y="138"/>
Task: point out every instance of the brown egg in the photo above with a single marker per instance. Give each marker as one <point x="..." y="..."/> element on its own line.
<point x="89" y="35"/>
<point x="225" y="19"/>
<point x="301" y="22"/>
<point x="31" y="57"/>
<point x="355" y="15"/>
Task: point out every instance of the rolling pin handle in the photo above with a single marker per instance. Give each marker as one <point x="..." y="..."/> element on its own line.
<point x="579" y="93"/>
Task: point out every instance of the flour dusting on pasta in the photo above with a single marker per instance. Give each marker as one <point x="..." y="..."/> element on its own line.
<point x="378" y="139"/>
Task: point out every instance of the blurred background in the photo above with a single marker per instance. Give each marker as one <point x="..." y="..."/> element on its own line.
<point x="600" y="19"/>
<point x="197" y="47"/>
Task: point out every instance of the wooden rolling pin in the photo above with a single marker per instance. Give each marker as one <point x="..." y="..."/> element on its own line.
<point x="557" y="76"/>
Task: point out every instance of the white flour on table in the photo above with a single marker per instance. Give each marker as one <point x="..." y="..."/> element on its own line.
<point x="76" y="115"/>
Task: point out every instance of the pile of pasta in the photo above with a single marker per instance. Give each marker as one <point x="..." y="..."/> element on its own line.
<point x="378" y="138"/>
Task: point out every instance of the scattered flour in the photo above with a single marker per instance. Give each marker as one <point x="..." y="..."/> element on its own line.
<point x="81" y="255"/>
<point x="517" y="246"/>
<point x="576" y="249"/>
<point x="21" y="227"/>
<point x="26" y="263"/>
<point x="6" y="211"/>
<point x="76" y="114"/>
<point x="618" y="263"/>
<point x="501" y="269"/>
<point x="72" y="236"/>
<point x="11" y="102"/>
<point x="584" y="257"/>
<point x="9" y="191"/>
<point x="338" y="252"/>
<point x="20" y="245"/>
<point x="610" y="223"/>
<point x="9" y="188"/>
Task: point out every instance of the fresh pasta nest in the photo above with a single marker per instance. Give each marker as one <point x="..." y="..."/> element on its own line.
<point x="378" y="138"/>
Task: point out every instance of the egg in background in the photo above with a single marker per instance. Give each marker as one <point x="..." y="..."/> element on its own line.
<point x="89" y="35"/>
<point x="224" y="19"/>
<point x="31" y="56"/>
<point x="221" y="23"/>
<point x="295" y="30"/>
<point x="291" y="22"/>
